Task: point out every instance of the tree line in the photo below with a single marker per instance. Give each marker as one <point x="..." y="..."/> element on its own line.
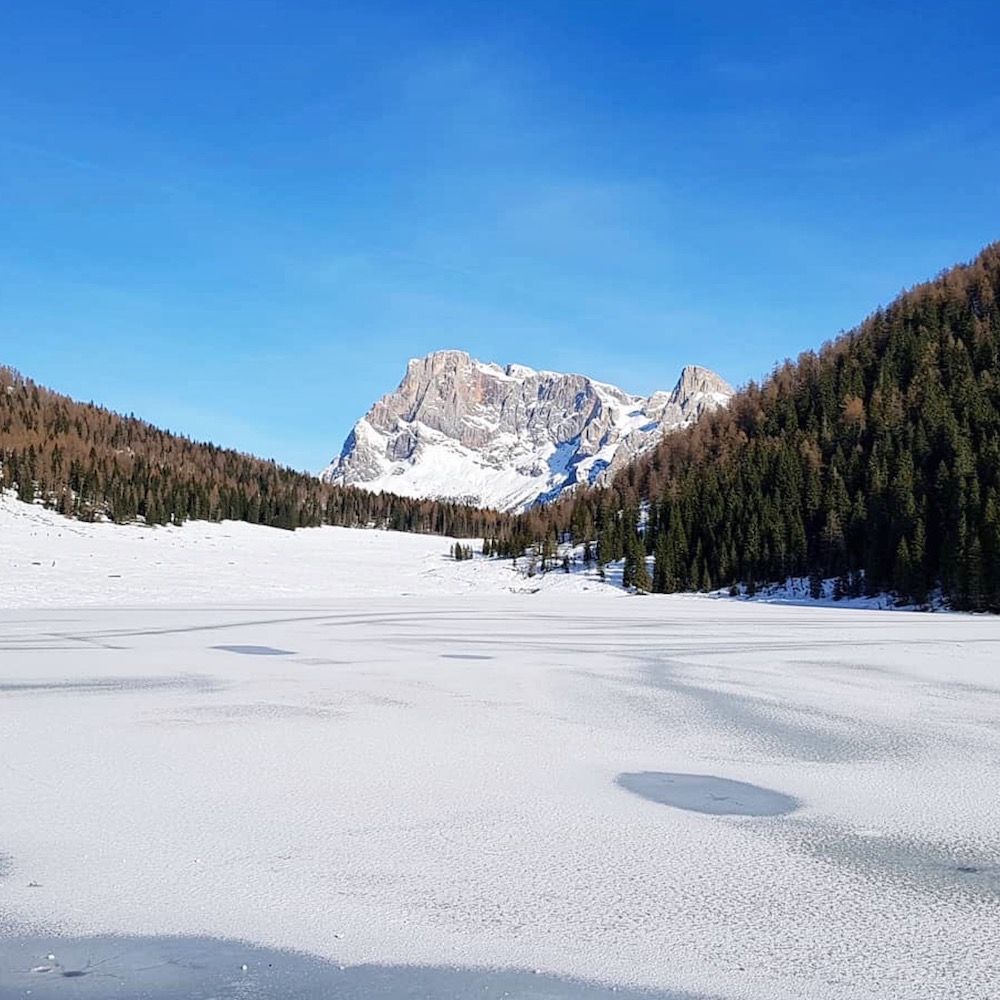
<point x="87" y="462"/>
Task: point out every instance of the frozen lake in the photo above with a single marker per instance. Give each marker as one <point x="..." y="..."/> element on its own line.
<point x="444" y="783"/>
<point x="475" y="792"/>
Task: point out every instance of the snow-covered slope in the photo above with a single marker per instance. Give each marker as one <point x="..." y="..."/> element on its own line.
<point x="509" y="436"/>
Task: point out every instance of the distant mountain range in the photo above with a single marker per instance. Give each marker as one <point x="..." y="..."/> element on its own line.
<point x="508" y="437"/>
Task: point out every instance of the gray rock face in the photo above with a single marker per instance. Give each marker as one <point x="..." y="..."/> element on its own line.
<point x="509" y="436"/>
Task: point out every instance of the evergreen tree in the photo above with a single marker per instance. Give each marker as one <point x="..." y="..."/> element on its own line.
<point x="642" y="579"/>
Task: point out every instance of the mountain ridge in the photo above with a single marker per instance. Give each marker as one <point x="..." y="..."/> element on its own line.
<point x="509" y="434"/>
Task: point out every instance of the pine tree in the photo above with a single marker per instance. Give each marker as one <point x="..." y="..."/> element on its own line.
<point x="642" y="580"/>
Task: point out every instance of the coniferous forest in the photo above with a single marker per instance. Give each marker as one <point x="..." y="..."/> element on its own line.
<point x="86" y="461"/>
<point x="875" y="461"/>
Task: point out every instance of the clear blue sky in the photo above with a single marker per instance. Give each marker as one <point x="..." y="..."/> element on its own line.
<point x="239" y="220"/>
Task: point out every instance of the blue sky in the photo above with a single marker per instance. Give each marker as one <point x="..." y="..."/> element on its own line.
<point x="238" y="220"/>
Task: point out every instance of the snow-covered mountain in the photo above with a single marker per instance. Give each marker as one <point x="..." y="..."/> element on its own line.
<point x="507" y="437"/>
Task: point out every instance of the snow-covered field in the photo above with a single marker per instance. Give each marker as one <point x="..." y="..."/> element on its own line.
<point x="47" y="560"/>
<point x="239" y="762"/>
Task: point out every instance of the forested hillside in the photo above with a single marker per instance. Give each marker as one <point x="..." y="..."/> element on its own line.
<point x="87" y="461"/>
<point x="875" y="461"/>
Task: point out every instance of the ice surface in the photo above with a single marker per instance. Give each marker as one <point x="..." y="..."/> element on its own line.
<point x="422" y="786"/>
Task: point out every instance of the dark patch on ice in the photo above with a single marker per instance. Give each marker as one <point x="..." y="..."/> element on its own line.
<point x="199" y="968"/>
<point x="104" y="685"/>
<point x="978" y="878"/>
<point x="466" y="656"/>
<point x="6" y="865"/>
<point x="705" y="793"/>
<point x="256" y="650"/>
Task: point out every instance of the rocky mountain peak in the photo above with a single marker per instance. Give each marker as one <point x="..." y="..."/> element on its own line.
<point x="508" y="436"/>
<point x="694" y="380"/>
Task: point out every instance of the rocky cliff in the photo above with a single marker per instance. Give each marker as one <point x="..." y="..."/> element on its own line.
<point x="509" y="436"/>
